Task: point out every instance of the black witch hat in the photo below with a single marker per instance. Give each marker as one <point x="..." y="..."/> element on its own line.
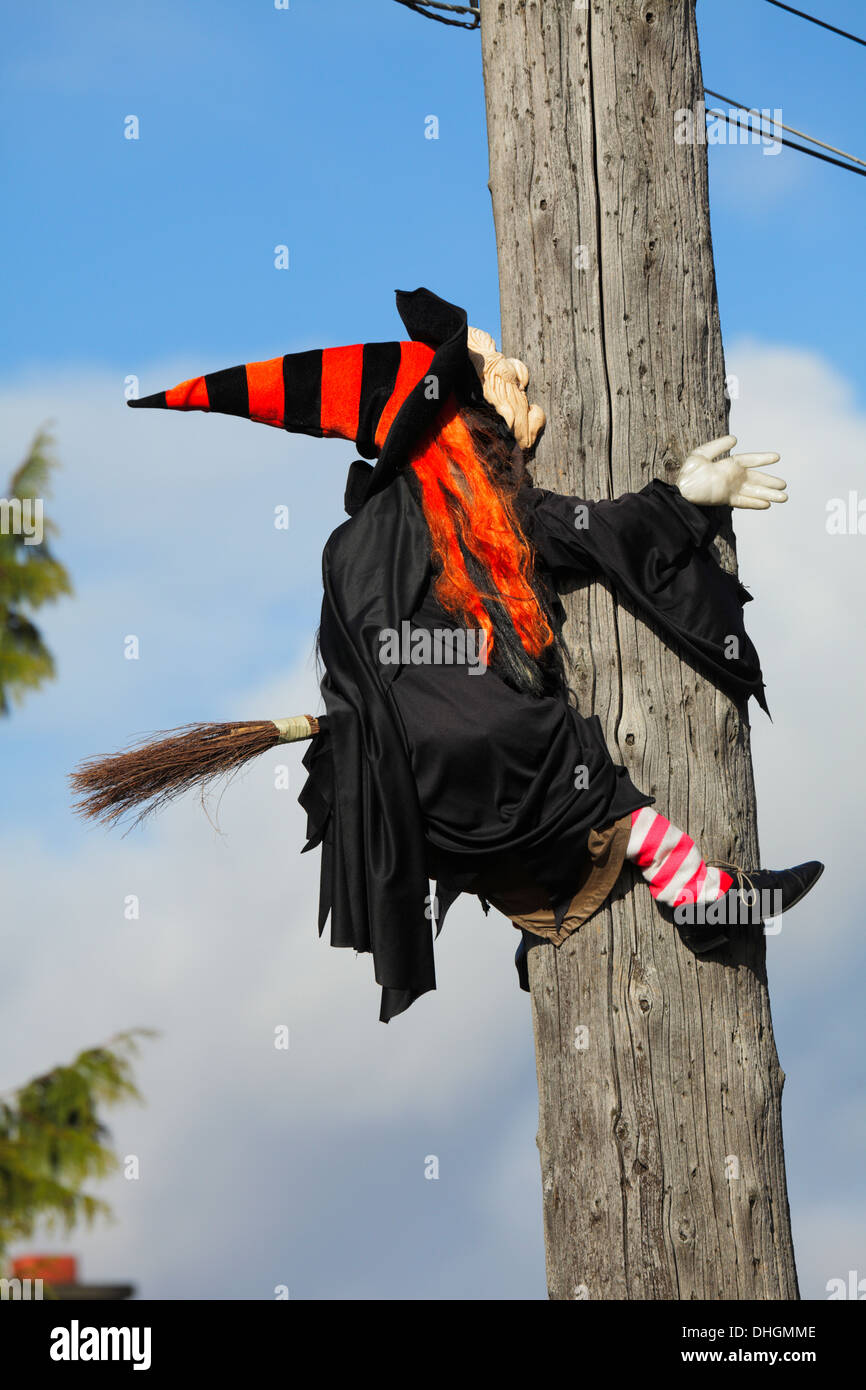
<point x="383" y="396"/>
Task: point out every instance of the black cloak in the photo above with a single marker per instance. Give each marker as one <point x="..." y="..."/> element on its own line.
<point x="361" y="799"/>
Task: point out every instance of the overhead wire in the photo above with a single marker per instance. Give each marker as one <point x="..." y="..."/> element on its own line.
<point x="764" y="116"/>
<point x="802" y="14"/>
<point x="792" y="144"/>
<point x="423" y="7"/>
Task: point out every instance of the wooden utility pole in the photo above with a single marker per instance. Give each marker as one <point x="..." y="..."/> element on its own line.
<point x="659" y="1084"/>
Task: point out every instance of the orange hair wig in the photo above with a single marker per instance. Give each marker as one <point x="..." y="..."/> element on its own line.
<point x="468" y="510"/>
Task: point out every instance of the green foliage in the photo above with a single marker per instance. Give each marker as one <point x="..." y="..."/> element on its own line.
<point x="29" y="577"/>
<point x="52" y="1139"/>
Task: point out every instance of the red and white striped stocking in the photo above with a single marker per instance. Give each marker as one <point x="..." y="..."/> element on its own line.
<point x="670" y="862"/>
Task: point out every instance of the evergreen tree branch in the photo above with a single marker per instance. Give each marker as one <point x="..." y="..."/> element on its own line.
<point x="53" y="1140"/>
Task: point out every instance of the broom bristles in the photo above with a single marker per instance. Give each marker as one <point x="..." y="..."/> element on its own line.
<point x="150" y="774"/>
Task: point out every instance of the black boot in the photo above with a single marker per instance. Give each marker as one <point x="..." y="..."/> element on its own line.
<point x="757" y="895"/>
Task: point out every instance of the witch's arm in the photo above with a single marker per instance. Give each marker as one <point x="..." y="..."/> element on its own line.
<point x="580" y="538"/>
<point x="654" y="547"/>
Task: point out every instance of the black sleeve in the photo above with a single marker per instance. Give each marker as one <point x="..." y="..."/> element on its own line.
<point x="574" y="537"/>
<point x="653" y="546"/>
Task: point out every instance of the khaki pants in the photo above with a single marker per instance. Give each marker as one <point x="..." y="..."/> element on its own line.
<point x="605" y="858"/>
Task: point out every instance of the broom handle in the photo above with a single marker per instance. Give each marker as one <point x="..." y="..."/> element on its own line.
<point x="299" y="727"/>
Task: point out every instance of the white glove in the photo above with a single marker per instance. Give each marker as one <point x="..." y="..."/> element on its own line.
<point x="711" y="481"/>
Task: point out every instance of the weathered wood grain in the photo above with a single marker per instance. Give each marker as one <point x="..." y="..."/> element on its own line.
<point x="660" y="1139"/>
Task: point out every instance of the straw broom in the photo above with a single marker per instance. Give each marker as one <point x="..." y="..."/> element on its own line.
<point x="149" y="775"/>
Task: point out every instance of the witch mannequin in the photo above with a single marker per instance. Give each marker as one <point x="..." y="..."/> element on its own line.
<point x="451" y="750"/>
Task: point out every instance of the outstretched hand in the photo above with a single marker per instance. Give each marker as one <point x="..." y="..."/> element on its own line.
<point x="712" y="481"/>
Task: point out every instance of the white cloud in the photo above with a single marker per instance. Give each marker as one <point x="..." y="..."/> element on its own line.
<point x="829" y="1244"/>
<point x="808" y="588"/>
<point x="752" y="179"/>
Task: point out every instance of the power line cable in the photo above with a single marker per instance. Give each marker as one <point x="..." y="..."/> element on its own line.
<point x="423" y="7"/>
<point x="804" y="149"/>
<point x="823" y="23"/>
<point x="780" y="126"/>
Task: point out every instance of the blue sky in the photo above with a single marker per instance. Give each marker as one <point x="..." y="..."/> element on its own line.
<point x="305" y="127"/>
<point x="154" y="258"/>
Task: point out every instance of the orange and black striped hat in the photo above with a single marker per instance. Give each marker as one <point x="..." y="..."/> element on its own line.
<point x="380" y="395"/>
